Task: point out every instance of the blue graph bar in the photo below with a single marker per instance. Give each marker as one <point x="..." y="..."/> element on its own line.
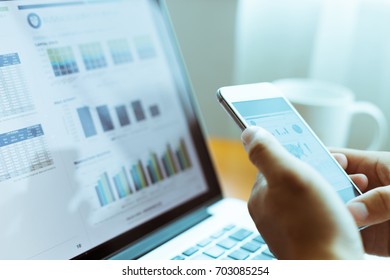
<point x="136" y="178"/>
<point x="152" y="173"/>
<point x="86" y="121"/>
<point x="122" y="183"/>
<point x="104" y="190"/>
<point x="180" y="160"/>
<point x="105" y="118"/>
<point x="122" y="115"/>
<point x="101" y="196"/>
<point x="154" y="111"/>
<point x="138" y="110"/>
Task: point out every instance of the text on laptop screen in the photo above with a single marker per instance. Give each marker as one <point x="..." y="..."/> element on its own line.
<point x="93" y="137"/>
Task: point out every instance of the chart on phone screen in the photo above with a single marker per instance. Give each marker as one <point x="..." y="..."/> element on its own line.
<point x="299" y="150"/>
<point x="283" y="123"/>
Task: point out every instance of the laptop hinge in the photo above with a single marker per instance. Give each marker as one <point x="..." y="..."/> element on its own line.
<point x="161" y="236"/>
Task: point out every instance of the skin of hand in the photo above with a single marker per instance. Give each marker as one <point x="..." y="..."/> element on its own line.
<point x="296" y="211"/>
<point x="371" y="173"/>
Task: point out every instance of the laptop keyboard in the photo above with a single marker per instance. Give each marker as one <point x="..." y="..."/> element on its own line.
<point x="229" y="243"/>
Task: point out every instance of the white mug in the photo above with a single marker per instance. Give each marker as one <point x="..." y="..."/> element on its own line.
<point x="328" y="108"/>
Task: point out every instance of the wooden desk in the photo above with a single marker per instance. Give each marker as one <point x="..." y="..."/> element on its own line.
<point x="235" y="171"/>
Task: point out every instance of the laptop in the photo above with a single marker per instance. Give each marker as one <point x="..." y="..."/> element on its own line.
<point x="102" y="154"/>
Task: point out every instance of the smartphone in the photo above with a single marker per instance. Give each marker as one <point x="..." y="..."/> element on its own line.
<point x="264" y="105"/>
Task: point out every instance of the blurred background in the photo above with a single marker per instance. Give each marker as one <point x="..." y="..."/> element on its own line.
<point x="227" y="42"/>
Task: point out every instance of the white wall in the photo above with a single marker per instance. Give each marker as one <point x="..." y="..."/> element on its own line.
<point x="344" y="41"/>
<point x="206" y="33"/>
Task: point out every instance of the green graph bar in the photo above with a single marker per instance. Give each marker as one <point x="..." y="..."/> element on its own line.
<point x="184" y="153"/>
<point x="156" y="166"/>
<point x="122" y="184"/>
<point x="141" y="174"/>
<point x="104" y="190"/>
<point x="171" y="161"/>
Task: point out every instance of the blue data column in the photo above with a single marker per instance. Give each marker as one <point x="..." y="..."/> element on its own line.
<point x="105" y="118"/>
<point x="122" y="114"/>
<point x="138" y="110"/>
<point x="86" y="121"/>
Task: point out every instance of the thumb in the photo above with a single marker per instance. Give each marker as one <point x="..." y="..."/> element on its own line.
<point x="372" y="207"/>
<point x="265" y="152"/>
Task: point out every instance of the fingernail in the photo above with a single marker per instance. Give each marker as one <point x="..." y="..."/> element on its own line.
<point x="248" y="135"/>
<point x="358" y="210"/>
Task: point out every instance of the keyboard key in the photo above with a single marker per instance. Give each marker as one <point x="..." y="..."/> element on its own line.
<point x="214" y="252"/>
<point x="262" y="257"/>
<point x="180" y="258"/>
<point x="218" y="234"/>
<point x="259" y="238"/>
<point x="241" y="234"/>
<point x="227" y="243"/>
<point x="229" y="227"/>
<point x="252" y="246"/>
<point x="268" y="253"/>
<point x="239" y="254"/>
<point x="201" y="257"/>
<point x="190" y="251"/>
<point x="204" y="242"/>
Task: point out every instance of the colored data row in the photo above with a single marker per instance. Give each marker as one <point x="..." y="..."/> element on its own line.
<point x="63" y="60"/>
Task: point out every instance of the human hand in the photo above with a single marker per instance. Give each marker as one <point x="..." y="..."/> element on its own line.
<point x="371" y="173"/>
<point x="296" y="211"/>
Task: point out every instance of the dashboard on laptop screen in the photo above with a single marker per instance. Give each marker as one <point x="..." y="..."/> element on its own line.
<point x="94" y="139"/>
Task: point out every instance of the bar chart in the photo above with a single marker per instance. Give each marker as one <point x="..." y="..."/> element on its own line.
<point x="139" y="174"/>
<point x="176" y="161"/>
<point x="299" y="150"/>
<point x="104" y="115"/>
<point x="15" y="97"/>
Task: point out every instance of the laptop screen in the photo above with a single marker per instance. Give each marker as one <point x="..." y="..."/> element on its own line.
<point x="98" y="136"/>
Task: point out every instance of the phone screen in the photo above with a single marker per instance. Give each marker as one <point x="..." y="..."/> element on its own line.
<point x="277" y="116"/>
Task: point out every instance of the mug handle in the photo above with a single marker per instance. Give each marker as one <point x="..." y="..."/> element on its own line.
<point x="367" y="108"/>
